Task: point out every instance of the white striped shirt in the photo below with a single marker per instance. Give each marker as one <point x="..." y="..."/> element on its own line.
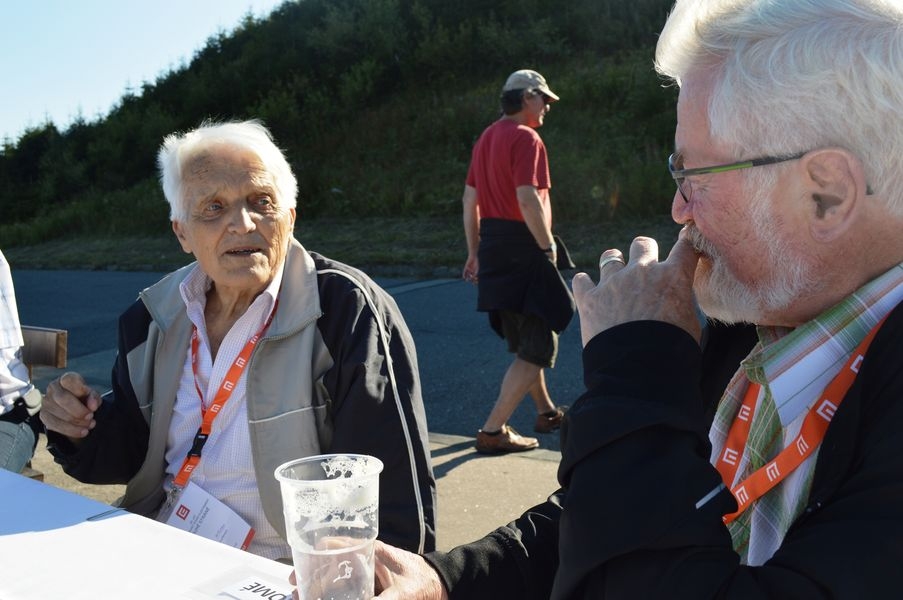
<point x="226" y="469"/>
<point x="13" y="372"/>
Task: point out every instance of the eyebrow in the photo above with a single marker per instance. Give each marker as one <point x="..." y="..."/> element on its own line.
<point x="268" y="189"/>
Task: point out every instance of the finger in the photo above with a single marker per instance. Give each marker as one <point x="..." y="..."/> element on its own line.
<point x="93" y="401"/>
<point x="63" y="404"/>
<point x="609" y="257"/>
<point x="294" y="582"/>
<point x="78" y="399"/>
<point x="384" y="563"/>
<point x="381" y="574"/>
<point x="60" y="420"/>
<point x="684" y="255"/>
<point x="643" y="250"/>
<point x="604" y="261"/>
<point x="71" y="429"/>
<point x="336" y="543"/>
<point x="582" y="285"/>
<point x="75" y="384"/>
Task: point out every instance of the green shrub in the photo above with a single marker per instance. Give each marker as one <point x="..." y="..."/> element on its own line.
<point x="377" y="104"/>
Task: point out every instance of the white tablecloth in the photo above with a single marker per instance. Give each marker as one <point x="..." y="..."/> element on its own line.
<point x="56" y="544"/>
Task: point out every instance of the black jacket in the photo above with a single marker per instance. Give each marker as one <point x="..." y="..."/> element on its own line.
<point x="636" y="461"/>
<point x="516" y="275"/>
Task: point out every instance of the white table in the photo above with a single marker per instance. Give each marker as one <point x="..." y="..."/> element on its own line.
<point x="56" y="544"/>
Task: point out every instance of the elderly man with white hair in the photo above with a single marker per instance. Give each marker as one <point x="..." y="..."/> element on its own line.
<point x="258" y="353"/>
<point x="711" y="458"/>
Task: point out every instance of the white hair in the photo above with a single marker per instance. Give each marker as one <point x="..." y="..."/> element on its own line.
<point x="795" y="75"/>
<point x="179" y="149"/>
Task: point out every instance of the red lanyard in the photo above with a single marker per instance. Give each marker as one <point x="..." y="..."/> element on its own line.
<point x="815" y="425"/>
<point x="219" y="400"/>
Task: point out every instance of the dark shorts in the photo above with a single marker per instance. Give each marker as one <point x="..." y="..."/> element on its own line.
<point x="530" y="338"/>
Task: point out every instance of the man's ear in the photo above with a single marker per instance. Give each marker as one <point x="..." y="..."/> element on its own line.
<point x="835" y="188"/>
<point x="180" y="234"/>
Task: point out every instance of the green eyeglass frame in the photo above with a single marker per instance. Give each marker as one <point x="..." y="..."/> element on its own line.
<point x="680" y="175"/>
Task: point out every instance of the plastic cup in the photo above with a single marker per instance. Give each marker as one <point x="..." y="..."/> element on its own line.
<point x="331" y="508"/>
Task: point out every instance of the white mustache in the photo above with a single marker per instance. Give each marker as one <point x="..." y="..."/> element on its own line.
<point x="700" y="243"/>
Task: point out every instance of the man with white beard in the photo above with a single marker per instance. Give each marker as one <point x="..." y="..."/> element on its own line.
<point x="713" y="459"/>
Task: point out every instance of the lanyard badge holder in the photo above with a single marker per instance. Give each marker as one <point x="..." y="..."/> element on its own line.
<point x="211" y="518"/>
<point x="812" y="432"/>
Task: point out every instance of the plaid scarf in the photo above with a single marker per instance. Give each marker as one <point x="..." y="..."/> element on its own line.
<point x="793" y="367"/>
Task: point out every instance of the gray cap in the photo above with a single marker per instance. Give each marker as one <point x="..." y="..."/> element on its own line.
<point x="525" y="79"/>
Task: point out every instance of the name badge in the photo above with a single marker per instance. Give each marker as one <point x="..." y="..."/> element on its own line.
<point x="196" y="511"/>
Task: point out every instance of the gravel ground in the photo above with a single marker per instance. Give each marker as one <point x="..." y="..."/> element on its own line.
<point x="54" y="475"/>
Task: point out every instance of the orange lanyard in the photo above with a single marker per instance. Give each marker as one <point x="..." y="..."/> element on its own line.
<point x="815" y="425"/>
<point x="219" y="400"/>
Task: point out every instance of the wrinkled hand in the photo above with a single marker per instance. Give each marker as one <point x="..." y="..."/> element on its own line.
<point x="402" y="575"/>
<point x="643" y="289"/>
<point x="69" y="406"/>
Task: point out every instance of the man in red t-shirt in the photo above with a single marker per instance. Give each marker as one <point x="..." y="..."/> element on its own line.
<point x="511" y="255"/>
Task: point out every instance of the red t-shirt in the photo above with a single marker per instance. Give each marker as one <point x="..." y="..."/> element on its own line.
<point x="506" y="156"/>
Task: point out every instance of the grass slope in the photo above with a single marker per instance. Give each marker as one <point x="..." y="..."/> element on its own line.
<point x="417" y="247"/>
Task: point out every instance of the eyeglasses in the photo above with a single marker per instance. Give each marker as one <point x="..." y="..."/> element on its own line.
<point x="545" y="97"/>
<point x="686" y="190"/>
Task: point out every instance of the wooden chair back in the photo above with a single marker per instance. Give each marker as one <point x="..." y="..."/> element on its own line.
<point x="45" y="347"/>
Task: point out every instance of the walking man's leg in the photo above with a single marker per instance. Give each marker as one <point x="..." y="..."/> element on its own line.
<point x="548" y="416"/>
<point x="540" y="394"/>
<point x="496" y="436"/>
<point x="520" y="378"/>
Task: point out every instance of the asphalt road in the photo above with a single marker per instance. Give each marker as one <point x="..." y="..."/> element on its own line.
<point x="461" y="359"/>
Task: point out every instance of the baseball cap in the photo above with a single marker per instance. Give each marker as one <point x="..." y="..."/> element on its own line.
<point x="525" y="79"/>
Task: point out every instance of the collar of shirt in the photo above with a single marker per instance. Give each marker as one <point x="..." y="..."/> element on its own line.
<point x="798" y="364"/>
<point x="194" y="290"/>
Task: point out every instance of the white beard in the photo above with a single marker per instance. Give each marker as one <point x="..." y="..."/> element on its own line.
<point x="725" y="298"/>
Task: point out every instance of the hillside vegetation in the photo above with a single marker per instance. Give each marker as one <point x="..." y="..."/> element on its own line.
<point x="377" y="104"/>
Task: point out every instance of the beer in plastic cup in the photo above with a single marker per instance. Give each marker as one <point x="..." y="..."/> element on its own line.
<point x="331" y="508"/>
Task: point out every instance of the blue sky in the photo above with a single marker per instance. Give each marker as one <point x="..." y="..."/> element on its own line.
<point x="62" y="58"/>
